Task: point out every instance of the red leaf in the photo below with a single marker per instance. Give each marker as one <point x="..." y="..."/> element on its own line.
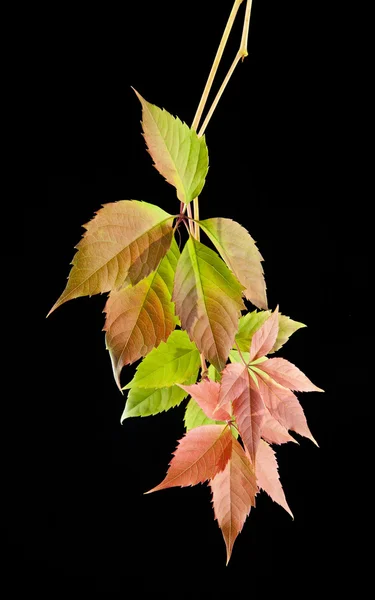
<point x="201" y="454"/>
<point x="248" y="408"/>
<point x="288" y="375"/>
<point x="284" y="406"/>
<point x="273" y="432"/>
<point x="206" y="394"/>
<point x="268" y="477"/>
<point x="264" y="339"/>
<point x="233" y="492"/>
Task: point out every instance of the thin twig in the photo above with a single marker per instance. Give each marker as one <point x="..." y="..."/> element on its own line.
<point x="191" y="226"/>
<point x="241" y="54"/>
<point x="215" y="65"/>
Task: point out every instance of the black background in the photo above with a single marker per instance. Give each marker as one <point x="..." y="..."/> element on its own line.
<point x="79" y="520"/>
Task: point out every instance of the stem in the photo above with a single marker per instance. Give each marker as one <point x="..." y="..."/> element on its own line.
<point x="241" y="54"/>
<point x="204" y="370"/>
<point x="196" y="217"/>
<point x="191" y="226"/>
<point x="216" y="63"/>
<point x="241" y="355"/>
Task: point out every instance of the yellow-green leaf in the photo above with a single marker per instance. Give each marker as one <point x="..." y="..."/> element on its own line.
<point x="173" y="361"/>
<point x="177" y="151"/>
<point x="286" y="328"/>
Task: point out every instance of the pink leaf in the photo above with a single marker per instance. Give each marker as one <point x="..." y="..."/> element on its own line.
<point x="248" y="408"/>
<point x="288" y="375"/>
<point x="273" y="432"/>
<point x="233" y="492"/>
<point x="283" y="406"/>
<point x="268" y="477"/>
<point x="264" y="339"/>
<point x="206" y="394"/>
<point x="201" y="454"/>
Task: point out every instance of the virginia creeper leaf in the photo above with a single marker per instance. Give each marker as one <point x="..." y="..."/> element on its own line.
<point x="177" y="151"/>
<point x="233" y="493"/>
<point x="248" y="325"/>
<point x="273" y="432"/>
<point x="208" y="301"/>
<point x="201" y="454"/>
<point x="139" y="318"/>
<point x="239" y="251"/>
<point x="286" y="328"/>
<point x="268" y="476"/>
<point x="288" y="375"/>
<point x="235" y="356"/>
<point x="283" y="405"/>
<point x="264" y="339"/>
<point x="195" y="417"/>
<point x="248" y="408"/>
<point x="206" y="394"/>
<point x="214" y="374"/>
<point x="126" y="240"/>
<point x="142" y="402"/>
<point x="173" y="361"/>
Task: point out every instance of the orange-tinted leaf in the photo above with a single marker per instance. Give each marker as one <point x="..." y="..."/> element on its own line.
<point x="201" y="454"/>
<point x="206" y="394"/>
<point x="288" y="375"/>
<point x="283" y="405"/>
<point x="264" y="339"/>
<point x="139" y="318"/>
<point x="239" y="251"/>
<point x="273" y="432"/>
<point x="208" y="301"/>
<point x="238" y="388"/>
<point x="268" y="476"/>
<point x="233" y="492"/>
<point x="125" y="241"/>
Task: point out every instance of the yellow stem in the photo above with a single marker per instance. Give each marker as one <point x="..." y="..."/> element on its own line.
<point x="216" y="63"/>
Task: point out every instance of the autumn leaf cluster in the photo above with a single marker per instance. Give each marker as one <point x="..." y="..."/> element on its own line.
<point x="183" y="313"/>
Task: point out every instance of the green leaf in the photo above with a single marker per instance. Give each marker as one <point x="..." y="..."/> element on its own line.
<point x="208" y="301"/>
<point x="239" y="251"/>
<point x="178" y="153"/>
<point x="125" y="241"/>
<point x="286" y="328"/>
<point x="143" y="402"/>
<point x="234" y="356"/>
<point x="195" y="417"/>
<point x="248" y="325"/>
<point x="139" y="318"/>
<point x="213" y="374"/>
<point x="173" y="361"/>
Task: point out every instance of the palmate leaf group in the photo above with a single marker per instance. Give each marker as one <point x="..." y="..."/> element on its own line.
<point x="179" y="310"/>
